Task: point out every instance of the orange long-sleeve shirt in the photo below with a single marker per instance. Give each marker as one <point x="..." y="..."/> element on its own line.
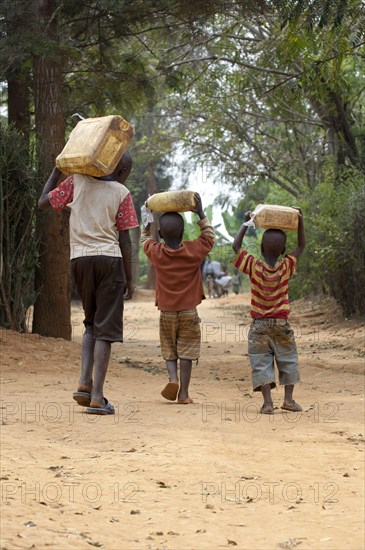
<point x="179" y="283"/>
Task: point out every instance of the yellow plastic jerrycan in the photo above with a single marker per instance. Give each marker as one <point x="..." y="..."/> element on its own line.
<point x="274" y="216"/>
<point x="171" y="201"/>
<point x="95" y="146"/>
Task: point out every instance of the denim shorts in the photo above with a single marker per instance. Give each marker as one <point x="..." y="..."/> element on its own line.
<point x="270" y="339"/>
<point x="180" y="334"/>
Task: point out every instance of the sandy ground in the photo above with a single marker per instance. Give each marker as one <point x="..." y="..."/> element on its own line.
<point x="158" y="475"/>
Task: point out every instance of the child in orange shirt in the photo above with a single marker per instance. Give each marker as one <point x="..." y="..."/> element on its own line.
<point x="179" y="289"/>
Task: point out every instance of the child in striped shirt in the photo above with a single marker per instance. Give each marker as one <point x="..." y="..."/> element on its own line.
<point x="270" y="335"/>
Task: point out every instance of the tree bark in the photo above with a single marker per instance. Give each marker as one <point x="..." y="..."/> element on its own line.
<point x="52" y="310"/>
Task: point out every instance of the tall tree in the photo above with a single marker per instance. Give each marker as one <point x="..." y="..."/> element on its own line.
<point x="52" y="308"/>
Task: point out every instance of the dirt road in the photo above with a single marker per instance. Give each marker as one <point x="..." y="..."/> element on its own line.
<point x="158" y="475"/>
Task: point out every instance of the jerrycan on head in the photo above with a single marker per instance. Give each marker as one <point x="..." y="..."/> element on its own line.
<point x="95" y="146"/>
<point x="274" y="216"/>
<point x="171" y="201"/>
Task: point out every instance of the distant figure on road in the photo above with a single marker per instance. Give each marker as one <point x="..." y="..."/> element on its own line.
<point x="236" y="281"/>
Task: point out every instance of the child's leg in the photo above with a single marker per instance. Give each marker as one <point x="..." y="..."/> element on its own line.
<point x="168" y="327"/>
<point x="102" y="351"/>
<point x="188" y="345"/>
<point x="171" y="365"/>
<point x="288" y="393"/>
<point x="185" y="375"/>
<point x="268" y="406"/>
<point x="287" y="362"/>
<point x="170" y="390"/>
<point x="87" y="363"/>
<point x="289" y="403"/>
<point x="261" y="359"/>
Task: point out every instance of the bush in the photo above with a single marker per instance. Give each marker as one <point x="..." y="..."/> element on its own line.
<point x="17" y="230"/>
<point x="335" y="225"/>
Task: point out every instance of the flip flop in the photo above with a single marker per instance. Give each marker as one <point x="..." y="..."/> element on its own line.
<point x="107" y="408"/>
<point x="82" y="398"/>
<point x="170" y="391"/>
<point x="293" y="407"/>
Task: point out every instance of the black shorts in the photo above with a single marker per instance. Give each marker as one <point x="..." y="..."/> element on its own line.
<point x="100" y="283"/>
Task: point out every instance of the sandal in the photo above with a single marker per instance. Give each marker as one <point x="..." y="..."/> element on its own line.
<point x="106" y="408"/>
<point x="293" y="407"/>
<point x="82" y="398"/>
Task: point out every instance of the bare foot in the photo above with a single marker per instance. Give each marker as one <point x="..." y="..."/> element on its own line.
<point x="186" y="401"/>
<point x="267" y="408"/>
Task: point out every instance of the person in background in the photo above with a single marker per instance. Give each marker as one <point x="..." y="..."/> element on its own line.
<point x="236" y="281"/>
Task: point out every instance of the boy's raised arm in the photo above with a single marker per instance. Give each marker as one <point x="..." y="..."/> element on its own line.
<point x="237" y="243"/>
<point x="301" y="234"/>
<point x="146" y="233"/>
<point x="147" y="219"/>
<point x="206" y="228"/>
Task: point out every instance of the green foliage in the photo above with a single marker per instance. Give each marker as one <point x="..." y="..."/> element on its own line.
<point x="333" y="261"/>
<point x="17" y="230"/>
<point x="340" y="241"/>
<point x="314" y="14"/>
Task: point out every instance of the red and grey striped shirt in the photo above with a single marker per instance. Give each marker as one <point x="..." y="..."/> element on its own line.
<point x="269" y="285"/>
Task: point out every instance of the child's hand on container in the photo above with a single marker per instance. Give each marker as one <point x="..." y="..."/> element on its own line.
<point x="300" y="213"/>
<point x="247" y="215"/>
<point x="146" y="216"/>
<point x="198" y="206"/>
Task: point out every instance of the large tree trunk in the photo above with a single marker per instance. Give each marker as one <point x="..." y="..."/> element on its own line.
<point x="52" y="311"/>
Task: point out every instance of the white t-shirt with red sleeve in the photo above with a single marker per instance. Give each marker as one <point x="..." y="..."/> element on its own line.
<point x="99" y="210"/>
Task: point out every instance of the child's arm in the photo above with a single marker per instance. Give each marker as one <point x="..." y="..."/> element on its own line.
<point x="301" y="235"/>
<point x="237" y="243"/>
<point x="125" y="245"/>
<point x="146" y="233"/>
<point x="147" y="219"/>
<point x="51" y="183"/>
<point x="207" y="232"/>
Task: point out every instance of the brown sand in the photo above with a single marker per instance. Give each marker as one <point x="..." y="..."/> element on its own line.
<point x="215" y="474"/>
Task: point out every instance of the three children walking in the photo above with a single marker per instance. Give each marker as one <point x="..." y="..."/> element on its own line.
<point x="101" y="266"/>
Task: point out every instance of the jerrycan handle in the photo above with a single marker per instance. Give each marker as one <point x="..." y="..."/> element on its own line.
<point x="80" y="116"/>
